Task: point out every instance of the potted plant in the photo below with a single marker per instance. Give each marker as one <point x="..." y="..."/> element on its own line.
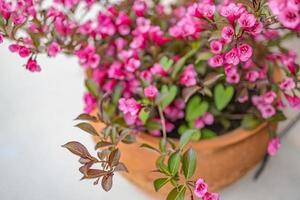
<point x="191" y="91"/>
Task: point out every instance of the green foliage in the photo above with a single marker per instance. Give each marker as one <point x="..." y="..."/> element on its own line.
<point x="168" y="94"/>
<point x="177" y="193"/>
<point x="207" y="134"/>
<point x="166" y="63"/>
<point x="250" y="122"/>
<point x="92" y="87"/>
<point x="223" y="96"/>
<point x="159" y="183"/>
<point x="174" y="162"/>
<point x="144" y="115"/>
<point x="195" y="108"/>
<point x="189" y="161"/>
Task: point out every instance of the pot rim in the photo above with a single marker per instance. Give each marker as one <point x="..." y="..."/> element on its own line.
<point x="232" y="137"/>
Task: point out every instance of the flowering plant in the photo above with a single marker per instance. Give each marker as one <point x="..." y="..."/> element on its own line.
<point x="191" y="71"/>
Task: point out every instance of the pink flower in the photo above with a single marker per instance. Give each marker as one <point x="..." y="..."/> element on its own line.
<point x="14" y="48"/>
<point x="216" y="47"/>
<point x="158" y="70"/>
<point x="267" y="111"/>
<point x="252" y="76"/>
<point x="53" y="49"/>
<point x="201" y="188"/>
<point x="211" y="196"/>
<point x="216" y="61"/>
<point x="232" y="75"/>
<point x="245" y="52"/>
<point x="289" y="17"/>
<point x="273" y="146"/>
<point x="132" y="65"/>
<point x="24" y="52"/>
<point x="18" y="19"/>
<point x="32" y="65"/>
<point x="139" y="7"/>
<point x="146" y="75"/>
<point x="208" y="118"/>
<point x="90" y="102"/>
<point x="294" y="101"/>
<point x="287" y="84"/>
<point x="227" y="34"/>
<point x="243" y="99"/>
<point x="130" y="106"/>
<point x="151" y="92"/>
<point x="269" y="97"/>
<point x="232" y="57"/>
<point x="188" y="77"/>
<point x="247" y="20"/>
<point x="1" y="38"/>
<point x="199" y="123"/>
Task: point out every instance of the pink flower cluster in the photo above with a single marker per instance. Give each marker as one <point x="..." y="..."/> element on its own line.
<point x="264" y="104"/>
<point x="274" y="145"/>
<point x="130" y="108"/>
<point x="201" y="191"/>
<point x="206" y="119"/>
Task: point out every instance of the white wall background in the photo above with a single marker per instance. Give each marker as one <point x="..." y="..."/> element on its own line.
<point x="36" y="112"/>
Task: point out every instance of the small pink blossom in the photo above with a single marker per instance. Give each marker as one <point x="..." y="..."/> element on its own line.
<point x="188" y="77"/>
<point x="132" y="65"/>
<point x="151" y="92"/>
<point x="247" y="20"/>
<point x="232" y="57"/>
<point x="228" y="34"/>
<point x="252" y="76"/>
<point x="273" y="146"/>
<point x="287" y="84"/>
<point x="90" y="103"/>
<point x="1" y="38"/>
<point x="243" y="99"/>
<point x="245" y="52"/>
<point x="53" y="49"/>
<point x="139" y="7"/>
<point x="32" y="65"/>
<point x="216" y="61"/>
<point x="289" y="17"/>
<point x="201" y="188"/>
<point x="211" y="196"/>
<point x="232" y="75"/>
<point x="294" y="101"/>
<point x="158" y="70"/>
<point x="267" y="111"/>
<point x="216" y="47"/>
<point x="199" y="123"/>
<point x="14" y="48"/>
<point x="208" y="118"/>
<point x="269" y="97"/>
<point x="130" y="106"/>
<point x="24" y="52"/>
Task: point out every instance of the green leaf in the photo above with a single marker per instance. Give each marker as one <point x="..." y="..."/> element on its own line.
<point x="188" y="92"/>
<point x="86" y="117"/>
<point x="207" y="134"/>
<point x="91" y="87"/>
<point x="168" y="95"/>
<point x="153" y="125"/>
<point x="147" y="146"/>
<point x="196" y="136"/>
<point x="144" y="115"/>
<point x="211" y="78"/>
<point x="250" y="122"/>
<point x="223" y="96"/>
<point x="203" y="56"/>
<point x="177" y="193"/>
<point x="87" y="128"/>
<point x="189" y="161"/>
<point x="163" y="145"/>
<point x="278" y="117"/>
<point x="186" y="137"/>
<point x="159" y="183"/>
<point x="182" y="128"/>
<point x="161" y="165"/>
<point x="195" y="108"/>
<point x="174" y="162"/>
<point x="166" y="63"/>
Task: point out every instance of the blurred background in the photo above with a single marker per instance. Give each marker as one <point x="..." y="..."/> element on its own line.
<point x="36" y="118"/>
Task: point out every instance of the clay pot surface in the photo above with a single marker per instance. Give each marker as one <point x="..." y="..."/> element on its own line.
<point x="220" y="161"/>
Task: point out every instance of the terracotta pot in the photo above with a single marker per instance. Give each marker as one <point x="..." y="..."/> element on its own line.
<point x="221" y="161"/>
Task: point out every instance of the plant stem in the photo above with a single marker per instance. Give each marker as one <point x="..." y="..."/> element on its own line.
<point x="163" y="122"/>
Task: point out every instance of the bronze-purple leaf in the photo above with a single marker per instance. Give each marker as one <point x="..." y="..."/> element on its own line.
<point x="102" y="144"/>
<point x="114" y="157"/>
<point x="87" y="128"/>
<point x="106" y="182"/>
<point x="77" y="149"/>
<point x="86" y="117"/>
<point x="121" y="167"/>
